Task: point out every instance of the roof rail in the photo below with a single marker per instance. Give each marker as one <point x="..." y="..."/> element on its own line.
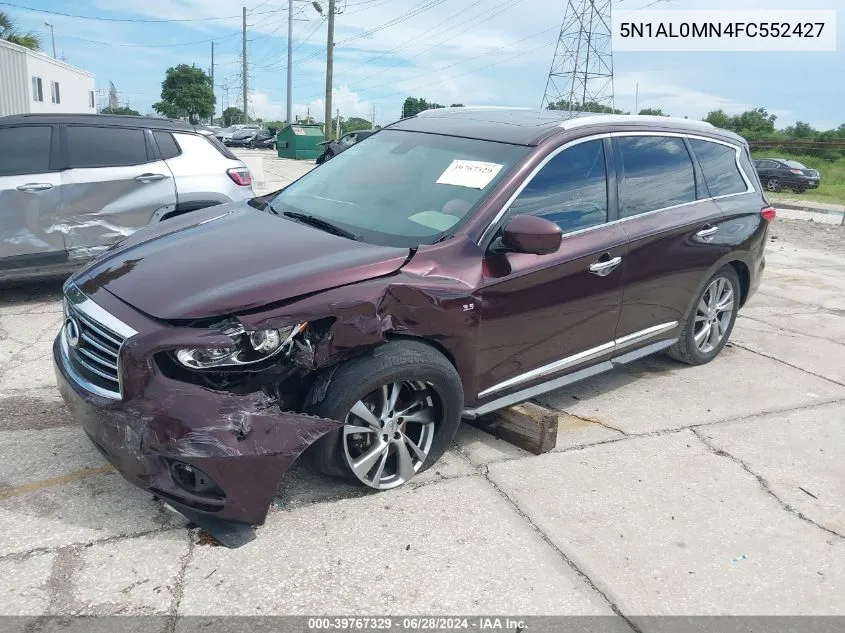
<point x="599" y="118"/>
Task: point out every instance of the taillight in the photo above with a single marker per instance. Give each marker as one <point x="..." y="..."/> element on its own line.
<point x="240" y="176"/>
<point x="797" y="171"/>
<point x="769" y="214"/>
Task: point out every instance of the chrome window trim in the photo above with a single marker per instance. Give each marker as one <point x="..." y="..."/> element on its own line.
<point x="737" y="158"/>
<point x="593" y="352"/>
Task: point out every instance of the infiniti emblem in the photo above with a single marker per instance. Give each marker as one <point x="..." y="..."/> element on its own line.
<point x="72" y="332"/>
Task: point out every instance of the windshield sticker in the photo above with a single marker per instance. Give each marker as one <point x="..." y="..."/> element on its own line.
<point x="469" y="173"/>
<point x="434" y="220"/>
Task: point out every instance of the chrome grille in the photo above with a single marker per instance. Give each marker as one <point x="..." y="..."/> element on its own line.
<point x="91" y="340"/>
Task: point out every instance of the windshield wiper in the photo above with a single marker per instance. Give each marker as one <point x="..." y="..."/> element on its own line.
<point x="319" y="223"/>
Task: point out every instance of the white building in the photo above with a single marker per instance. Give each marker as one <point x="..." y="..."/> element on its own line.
<point x="32" y="82"/>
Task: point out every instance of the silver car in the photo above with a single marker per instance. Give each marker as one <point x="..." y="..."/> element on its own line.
<point x="71" y="186"/>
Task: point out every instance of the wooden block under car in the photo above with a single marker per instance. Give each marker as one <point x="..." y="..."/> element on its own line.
<point x="529" y="426"/>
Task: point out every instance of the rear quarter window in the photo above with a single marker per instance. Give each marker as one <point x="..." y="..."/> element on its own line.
<point x="167" y="146"/>
<point x="718" y="162"/>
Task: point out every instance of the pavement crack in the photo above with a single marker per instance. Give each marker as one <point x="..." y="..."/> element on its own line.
<point x="179" y="585"/>
<point x="562" y="554"/>
<point x="788" y="364"/>
<point x="586" y="418"/>
<point x="763" y="484"/>
<point x="18" y="556"/>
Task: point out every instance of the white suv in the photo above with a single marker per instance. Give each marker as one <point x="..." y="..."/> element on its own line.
<point x="73" y="185"/>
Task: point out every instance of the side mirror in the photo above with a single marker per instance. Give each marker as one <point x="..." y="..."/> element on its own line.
<point x="528" y="234"/>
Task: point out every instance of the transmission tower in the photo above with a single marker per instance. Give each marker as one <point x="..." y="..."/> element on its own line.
<point x="582" y="68"/>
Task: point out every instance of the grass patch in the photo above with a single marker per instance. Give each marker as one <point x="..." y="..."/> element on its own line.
<point x="832" y="186"/>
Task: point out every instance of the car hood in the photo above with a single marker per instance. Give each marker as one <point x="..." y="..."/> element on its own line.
<point x="229" y="259"/>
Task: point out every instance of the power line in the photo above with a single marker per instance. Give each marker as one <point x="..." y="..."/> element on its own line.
<point x="140" y="20"/>
<point x="497" y="10"/>
<point x="469" y="59"/>
<point x="400" y="18"/>
<point x="469" y="72"/>
<point x="272" y="65"/>
<point x="214" y="39"/>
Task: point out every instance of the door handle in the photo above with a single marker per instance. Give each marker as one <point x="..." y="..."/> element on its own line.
<point x="602" y="269"/>
<point x="35" y="186"/>
<point x="150" y="177"/>
<point x="707" y="233"/>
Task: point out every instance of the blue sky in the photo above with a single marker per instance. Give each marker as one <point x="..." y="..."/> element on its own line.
<point x="477" y="52"/>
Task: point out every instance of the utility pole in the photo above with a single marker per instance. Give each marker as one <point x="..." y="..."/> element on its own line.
<point x="290" y="63"/>
<point x="327" y="127"/>
<point x="52" y="36"/>
<point x="212" y="84"/>
<point x="337" y="134"/>
<point x="244" y="83"/>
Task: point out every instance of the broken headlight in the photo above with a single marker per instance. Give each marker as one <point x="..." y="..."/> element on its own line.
<point x="248" y="348"/>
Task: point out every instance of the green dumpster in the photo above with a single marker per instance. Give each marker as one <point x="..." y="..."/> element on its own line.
<point x="299" y="142"/>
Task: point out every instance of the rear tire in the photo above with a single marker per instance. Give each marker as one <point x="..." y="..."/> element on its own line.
<point x="404" y="401"/>
<point x="711" y="320"/>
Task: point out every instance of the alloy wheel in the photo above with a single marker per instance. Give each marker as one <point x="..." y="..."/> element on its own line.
<point x="713" y="315"/>
<point x="773" y="184"/>
<point x="389" y="432"/>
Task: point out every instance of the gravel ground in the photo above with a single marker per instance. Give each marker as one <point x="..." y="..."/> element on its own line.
<point x="824" y="237"/>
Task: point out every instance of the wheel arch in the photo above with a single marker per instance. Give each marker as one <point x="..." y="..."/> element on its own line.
<point x="744" y="275"/>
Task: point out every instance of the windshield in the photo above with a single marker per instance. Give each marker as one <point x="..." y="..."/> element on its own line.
<point x="401" y="188"/>
<point x="231" y="128"/>
<point x="794" y="164"/>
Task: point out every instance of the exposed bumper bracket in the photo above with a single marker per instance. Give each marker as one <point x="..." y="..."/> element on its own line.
<point x="228" y="533"/>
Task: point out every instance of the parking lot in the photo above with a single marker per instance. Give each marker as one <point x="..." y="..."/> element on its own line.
<point x="672" y="490"/>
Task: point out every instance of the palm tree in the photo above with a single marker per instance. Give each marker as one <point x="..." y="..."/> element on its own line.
<point x="10" y="33"/>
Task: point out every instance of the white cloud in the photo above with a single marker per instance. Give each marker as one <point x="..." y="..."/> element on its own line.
<point x="658" y="92"/>
<point x="347" y="101"/>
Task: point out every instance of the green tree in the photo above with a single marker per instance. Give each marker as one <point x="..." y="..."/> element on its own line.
<point x="652" y="112"/>
<point x="587" y="106"/>
<point x="414" y="106"/>
<point x="354" y="123"/>
<point x="232" y="115"/>
<point x="719" y="118"/>
<point x="186" y="93"/>
<point x="801" y="129"/>
<point x="755" y="124"/>
<point x="276" y="125"/>
<point x="9" y="32"/>
<point x="121" y="110"/>
<point x="457" y="105"/>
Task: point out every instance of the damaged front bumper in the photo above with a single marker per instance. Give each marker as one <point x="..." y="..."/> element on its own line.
<point x="206" y="453"/>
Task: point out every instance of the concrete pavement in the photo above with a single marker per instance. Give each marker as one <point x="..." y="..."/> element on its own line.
<point x="673" y="490"/>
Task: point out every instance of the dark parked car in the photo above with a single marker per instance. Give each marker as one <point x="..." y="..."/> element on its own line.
<point x="780" y="173"/>
<point x="483" y="257"/>
<point x="333" y="148"/>
<point x="242" y="138"/>
<point x="265" y="139"/>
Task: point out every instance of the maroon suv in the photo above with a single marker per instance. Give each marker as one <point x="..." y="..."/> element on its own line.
<point x="452" y="264"/>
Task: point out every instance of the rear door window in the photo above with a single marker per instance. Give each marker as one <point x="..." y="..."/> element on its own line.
<point x="90" y="146"/>
<point x="655" y="172"/>
<point x="570" y="190"/>
<point x="718" y="162"/>
<point x="25" y="150"/>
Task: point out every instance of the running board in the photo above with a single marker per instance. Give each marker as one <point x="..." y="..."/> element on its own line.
<point x="568" y="379"/>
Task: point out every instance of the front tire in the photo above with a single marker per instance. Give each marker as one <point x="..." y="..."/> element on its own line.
<point x="773" y="184"/>
<point x="401" y="406"/>
<point x="710" y="323"/>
